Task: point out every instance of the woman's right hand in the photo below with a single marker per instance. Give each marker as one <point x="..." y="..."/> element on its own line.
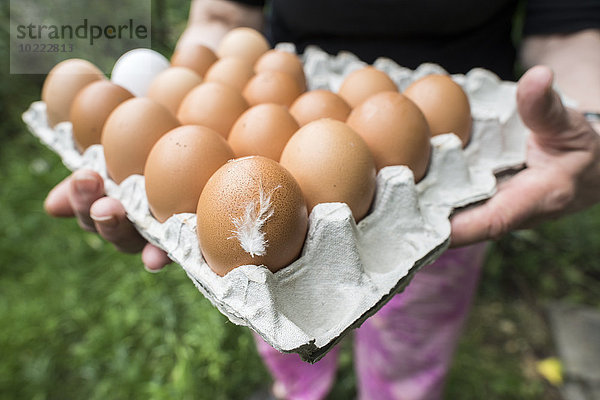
<point x="81" y="195"/>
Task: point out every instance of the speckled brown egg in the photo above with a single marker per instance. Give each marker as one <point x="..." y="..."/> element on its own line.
<point x="231" y="71"/>
<point x="444" y="104"/>
<point x="90" y="109"/>
<point x="363" y="83"/>
<point x="172" y="85"/>
<point x="262" y="130"/>
<point x="272" y="87"/>
<point x="196" y="57"/>
<point x="317" y="104"/>
<point x="246" y="43"/>
<point x="213" y="105"/>
<point x="63" y="83"/>
<point x="395" y="130"/>
<point x="178" y="167"/>
<point x="279" y="60"/>
<point x="129" y="134"/>
<point x="251" y="211"/>
<point x="332" y="163"/>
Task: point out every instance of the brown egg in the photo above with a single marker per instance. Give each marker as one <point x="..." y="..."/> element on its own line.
<point x="444" y="104"/>
<point x="172" y="85"/>
<point x="63" y="83"/>
<point x="213" y="105"/>
<point x="129" y="134"/>
<point x="231" y="71"/>
<point x="178" y="167"/>
<point x="363" y="83"/>
<point x="272" y="87"/>
<point x="395" y="130"/>
<point x="196" y="57"/>
<point x="90" y="109"/>
<point x="317" y="104"/>
<point x="262" y="130"/>
<point x="251" y="211"/>
<point x="278" y="60"/>
<point x="332" y="163"/>
<point x="246" y="43"/>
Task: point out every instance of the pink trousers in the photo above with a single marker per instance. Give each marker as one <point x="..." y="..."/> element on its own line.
<point x="403" y="351"/>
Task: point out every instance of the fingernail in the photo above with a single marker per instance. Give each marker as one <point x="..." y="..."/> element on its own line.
<point x="107" y="221"/>
<point x="86" y="183"/>
<point x="152" y="271"/>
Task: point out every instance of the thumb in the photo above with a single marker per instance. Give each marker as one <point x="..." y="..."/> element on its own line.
<point x="539" y="105"/>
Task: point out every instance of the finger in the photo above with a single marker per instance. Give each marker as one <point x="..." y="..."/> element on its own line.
<point x="112" y="224"/>
<point x="539" y="105"/>
<point x="57" y="202"/>
<point x="154" y="259"/>
<point x="85" y="187"/>
<point x="508" y="209"/>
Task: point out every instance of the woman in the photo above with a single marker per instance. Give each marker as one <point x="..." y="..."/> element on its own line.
<point x="403" y="352"/>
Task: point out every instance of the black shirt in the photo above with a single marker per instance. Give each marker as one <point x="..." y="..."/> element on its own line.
<point x="458" y="35"/>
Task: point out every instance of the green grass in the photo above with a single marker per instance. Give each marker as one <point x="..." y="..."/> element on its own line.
<point x="507" y="332"/>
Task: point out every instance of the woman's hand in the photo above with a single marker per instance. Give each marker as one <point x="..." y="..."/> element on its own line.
<point x="562" y="174"/>
<point x="210" y="20"/>
<point x="82" y="195"/>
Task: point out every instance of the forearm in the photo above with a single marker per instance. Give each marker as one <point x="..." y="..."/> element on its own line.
<point x="210" y="20"/>
<point x="575" y="60"/>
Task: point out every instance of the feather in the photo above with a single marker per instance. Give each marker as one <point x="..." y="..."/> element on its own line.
<point x="248" y="226"/>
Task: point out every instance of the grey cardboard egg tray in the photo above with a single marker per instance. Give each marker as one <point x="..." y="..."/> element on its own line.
<point x="347" y="271"/>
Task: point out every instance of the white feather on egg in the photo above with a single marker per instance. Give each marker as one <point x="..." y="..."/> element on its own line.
<point x="249" y="226"/>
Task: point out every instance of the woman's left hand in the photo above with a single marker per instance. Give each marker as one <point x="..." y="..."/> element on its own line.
<point x="562" y="174"/>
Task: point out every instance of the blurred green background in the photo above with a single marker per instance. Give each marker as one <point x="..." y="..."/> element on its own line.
<point x="78" y="320"/>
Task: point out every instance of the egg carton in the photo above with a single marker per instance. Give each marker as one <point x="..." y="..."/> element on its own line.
<point x="347" y="271"/>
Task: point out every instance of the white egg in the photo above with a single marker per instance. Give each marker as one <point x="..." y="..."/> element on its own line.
<point x="136" y="69"/>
